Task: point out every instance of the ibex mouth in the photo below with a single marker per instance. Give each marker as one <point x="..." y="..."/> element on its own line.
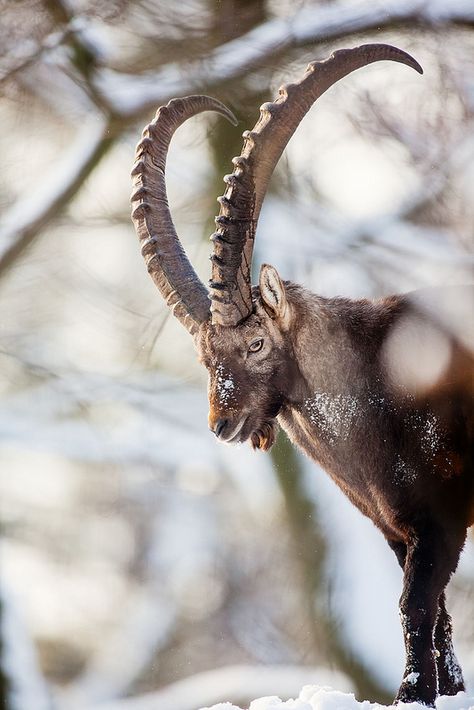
<point x="228" y="432"/>
<point x="260" y="435"/>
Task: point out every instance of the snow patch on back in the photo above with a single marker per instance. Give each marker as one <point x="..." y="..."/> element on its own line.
<point x="431" y="436"/>
<point x="403" y="472"/>
<point x="333" y="414"/>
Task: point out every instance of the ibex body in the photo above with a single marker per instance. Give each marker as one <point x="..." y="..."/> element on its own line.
<point x="334" y="373"/>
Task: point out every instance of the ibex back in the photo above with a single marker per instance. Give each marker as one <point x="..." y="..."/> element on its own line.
<point x="337" y="374"/>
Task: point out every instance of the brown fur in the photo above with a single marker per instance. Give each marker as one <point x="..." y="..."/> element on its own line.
<point x="403" y="456"/>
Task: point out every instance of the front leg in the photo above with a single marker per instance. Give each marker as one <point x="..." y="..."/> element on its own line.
<point x="450" y="677"/>
<point x="432" y="556"/>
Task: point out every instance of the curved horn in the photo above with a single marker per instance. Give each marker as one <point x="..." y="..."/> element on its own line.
<point x="165" y="258"/>
<point x="230" y="284"/>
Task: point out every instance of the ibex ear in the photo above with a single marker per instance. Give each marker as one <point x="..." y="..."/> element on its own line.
<point x="273" y="294"/>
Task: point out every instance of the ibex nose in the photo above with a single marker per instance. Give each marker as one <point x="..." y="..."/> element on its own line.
<point x="220" y="426"/>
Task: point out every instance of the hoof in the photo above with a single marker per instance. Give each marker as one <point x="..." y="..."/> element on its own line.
<point x="414" y="690"/>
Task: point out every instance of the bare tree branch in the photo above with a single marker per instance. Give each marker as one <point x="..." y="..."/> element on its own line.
<point x="29" y="215"/>
<point x="131" y="95"/>
<point x="24" y="60"/>
<point x="128" y="96"/>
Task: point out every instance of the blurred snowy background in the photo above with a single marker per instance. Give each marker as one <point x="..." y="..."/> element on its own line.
<point x="143" y="565"/>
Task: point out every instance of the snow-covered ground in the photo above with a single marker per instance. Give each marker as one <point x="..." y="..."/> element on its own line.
<point x="313" y="697"/>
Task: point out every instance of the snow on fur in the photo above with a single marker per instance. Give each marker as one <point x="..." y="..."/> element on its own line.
<point x="313" y="697"/>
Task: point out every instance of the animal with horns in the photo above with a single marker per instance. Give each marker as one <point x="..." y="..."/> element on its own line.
<point x="334" y="373"/>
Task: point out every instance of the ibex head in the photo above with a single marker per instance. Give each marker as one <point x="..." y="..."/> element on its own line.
<point x="241" y="334"/>
<point x="250" y="366"/>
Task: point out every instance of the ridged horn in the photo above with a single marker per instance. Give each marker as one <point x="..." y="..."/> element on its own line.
<point x="164" y="255"/>
<point x="233" y="239"/>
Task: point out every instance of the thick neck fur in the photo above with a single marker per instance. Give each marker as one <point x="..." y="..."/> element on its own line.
<point x="336" y="342"/>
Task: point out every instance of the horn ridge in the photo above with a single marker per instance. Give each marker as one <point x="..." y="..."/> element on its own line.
<point x="262" y="148"/>
<point x="164" y="255"/>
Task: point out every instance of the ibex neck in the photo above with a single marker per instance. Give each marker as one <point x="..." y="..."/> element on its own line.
<point x="336" y="342"/>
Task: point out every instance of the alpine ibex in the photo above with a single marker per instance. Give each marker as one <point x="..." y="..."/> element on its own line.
<point x="334" y="373"/>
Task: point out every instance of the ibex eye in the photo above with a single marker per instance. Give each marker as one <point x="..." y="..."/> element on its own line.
<point x="256" y="345"/>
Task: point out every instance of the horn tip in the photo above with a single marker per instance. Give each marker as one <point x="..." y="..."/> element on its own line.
<point x="391" y="52"/>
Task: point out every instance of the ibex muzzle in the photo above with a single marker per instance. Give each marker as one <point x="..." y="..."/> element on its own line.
<point x="400" y="446"/>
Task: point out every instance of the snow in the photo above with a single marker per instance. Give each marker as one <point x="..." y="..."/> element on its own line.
<point x="403" y="472"/>
<point x="333" y="413"/>
<point x="411" y="678"/>
<point x="324" y="698"/>
<point x="337" y="18"/>
<point x="225" y="384"/>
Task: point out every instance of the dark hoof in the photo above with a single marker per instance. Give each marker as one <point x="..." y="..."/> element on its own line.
<point x="414" y="691"/>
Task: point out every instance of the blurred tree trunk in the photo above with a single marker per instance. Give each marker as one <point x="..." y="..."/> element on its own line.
<point x="310" y="552"/>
